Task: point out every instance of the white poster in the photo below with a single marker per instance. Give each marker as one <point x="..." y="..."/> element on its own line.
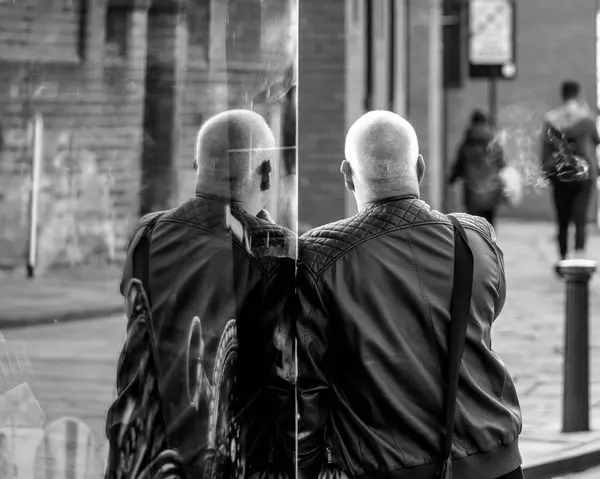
<point x="491" y="32"/>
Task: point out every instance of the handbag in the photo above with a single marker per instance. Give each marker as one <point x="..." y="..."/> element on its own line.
<point x="564" y="164"/>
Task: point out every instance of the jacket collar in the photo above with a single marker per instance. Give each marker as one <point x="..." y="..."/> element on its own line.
<point x="391" y="199"/>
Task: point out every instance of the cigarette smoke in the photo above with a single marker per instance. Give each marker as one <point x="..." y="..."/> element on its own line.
<point x="519" y="135"/>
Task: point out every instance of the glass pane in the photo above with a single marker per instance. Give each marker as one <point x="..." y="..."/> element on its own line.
<point x="148" y="166"/>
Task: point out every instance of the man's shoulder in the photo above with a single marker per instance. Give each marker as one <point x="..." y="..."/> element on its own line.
<point x="150" y="218"/>
<point x="197" y="211"/>
<point x="143" y="225"/>
<point x="477" y="224"/>
<point x="322" y="246"/>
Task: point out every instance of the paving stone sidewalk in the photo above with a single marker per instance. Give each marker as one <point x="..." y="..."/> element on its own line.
<point x="529" y="337"/>
<point x="61" y="295"/>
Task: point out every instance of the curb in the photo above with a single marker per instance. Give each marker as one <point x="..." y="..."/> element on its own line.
<point x="81" y="315"/>
<point x="568" y="464"/>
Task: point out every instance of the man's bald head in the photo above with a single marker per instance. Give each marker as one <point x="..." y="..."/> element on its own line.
<point x="382" y="148"/>
<point x="232" y="148"/>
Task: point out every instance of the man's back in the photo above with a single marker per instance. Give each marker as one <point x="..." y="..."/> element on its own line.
<point x="237" y="286"/>
<point x="375" y="295"/>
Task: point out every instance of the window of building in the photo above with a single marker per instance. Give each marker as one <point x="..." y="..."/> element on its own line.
<point x="117" y="26"/>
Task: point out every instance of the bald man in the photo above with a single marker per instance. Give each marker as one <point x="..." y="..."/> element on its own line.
<point x="218" y="275"/>
<point x="374" y="309"/>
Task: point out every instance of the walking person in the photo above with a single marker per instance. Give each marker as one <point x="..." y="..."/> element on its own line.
<point x="570" y="137"/>
<point x="377" y="294"/>
<point x="479" y="162"/>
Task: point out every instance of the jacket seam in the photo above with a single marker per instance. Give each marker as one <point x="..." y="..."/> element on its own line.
<point x="427" y="308"/>
<point x="352" y="246"/>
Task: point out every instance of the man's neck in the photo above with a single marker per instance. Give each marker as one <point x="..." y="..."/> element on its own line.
<point x="251" y="203"/>
<point x="369" y="197"/>
<point x="252" y="206"/>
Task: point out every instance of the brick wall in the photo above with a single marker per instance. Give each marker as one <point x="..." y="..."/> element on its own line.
<point x="321" y="112"/>
<point x="322" y="96"/>
<point x="418" y="94"/>
<point x="556" y="40"/>
<point x="39" y="30"/>
<point x="96" y="102"/>
<point x="230" y="67"/>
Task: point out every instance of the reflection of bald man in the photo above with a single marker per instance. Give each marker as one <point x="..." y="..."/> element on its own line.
<point x="233" y="158"/>
<point x="374" y="293"/>
<point x="194" y="266"/>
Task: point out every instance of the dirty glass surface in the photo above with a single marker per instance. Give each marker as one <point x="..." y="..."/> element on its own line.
<point x="100" y="108"/>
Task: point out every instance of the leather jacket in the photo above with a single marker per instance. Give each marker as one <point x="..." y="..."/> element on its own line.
<point x="219" y="263"/>
<point x="374" y="295"/>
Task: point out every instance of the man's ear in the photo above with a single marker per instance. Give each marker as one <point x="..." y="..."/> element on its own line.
<point x="346" y="170"/>
<point x="420" y="168"/>
<point x="264" y="170"/>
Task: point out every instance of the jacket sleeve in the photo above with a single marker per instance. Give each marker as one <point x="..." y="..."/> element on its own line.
<point x="281" y="303"/>
<point x="500" y="299"/>
<point x="586" y="126"/>
<point x="139" y="231"/>
<point x="487" y="233"/>
<point x="459" y="166"/>
<point x="595" y="136"/>
<point x="312" y="330"/>
<point x="546" y="160"/>
<point x="501" y="283"/>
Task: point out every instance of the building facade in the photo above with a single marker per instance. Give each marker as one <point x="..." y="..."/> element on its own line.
<point x="389" y="54"/>
<point x="370" y="54"/>
<point x="123" y="86"/>
<point x="555" y="41"/>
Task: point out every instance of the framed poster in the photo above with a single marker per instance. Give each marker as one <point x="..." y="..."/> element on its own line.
<point x="492" y="49"/>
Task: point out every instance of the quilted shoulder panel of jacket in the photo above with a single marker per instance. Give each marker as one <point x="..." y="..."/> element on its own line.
<point x="322" y="246"/>
<point x="143" y="224"/>
<point x="477" y="224"/>
<point x="261" y="240"/>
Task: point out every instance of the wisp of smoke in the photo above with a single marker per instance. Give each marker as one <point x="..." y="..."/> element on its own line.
<point x="519" y="135"/>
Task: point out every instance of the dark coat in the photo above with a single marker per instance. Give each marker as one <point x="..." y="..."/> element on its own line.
<point x="198" y="266"/>
<point x="478" y="163"/>
<point x="374" y="296"/>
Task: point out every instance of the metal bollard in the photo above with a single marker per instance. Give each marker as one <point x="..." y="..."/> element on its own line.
<point x="576" y="395"/>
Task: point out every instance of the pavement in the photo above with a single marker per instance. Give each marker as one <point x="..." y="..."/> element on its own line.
<point x="529" y="336"/>
<point x="71" y="374"/>
<point x="61" y="295"/>
<point x="74" y="364"/>
<point x="589" y="474"/>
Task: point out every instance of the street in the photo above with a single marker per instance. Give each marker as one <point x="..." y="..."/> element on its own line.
<point x="589" y="474"/>
<point x="74" y="368"/>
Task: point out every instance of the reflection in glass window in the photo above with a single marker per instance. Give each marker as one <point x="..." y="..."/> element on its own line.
<point x="101" y="108"/>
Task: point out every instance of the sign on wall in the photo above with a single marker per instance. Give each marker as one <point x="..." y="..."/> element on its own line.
<point x="492" y="39"/>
